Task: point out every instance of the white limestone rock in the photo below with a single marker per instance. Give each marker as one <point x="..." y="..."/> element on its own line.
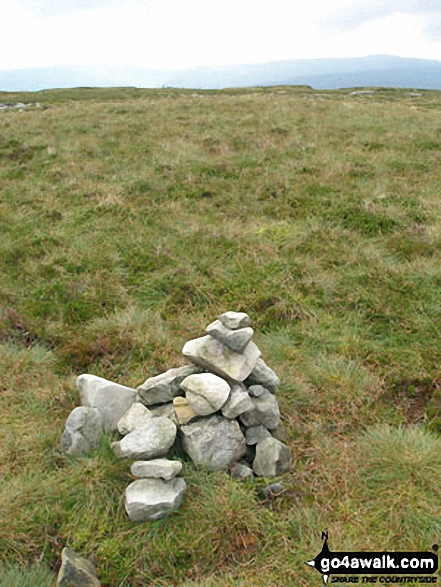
<point x="238" y="402"/>
<point x="156" y="468"/>
<point x="82" y="432"/>
<point x="218" y="358"/>
<point x="215" y="442"/>
<point x="111" y="399"/>
<point x="235" y="320"/>
<point x="151" y="499"/>
<point x="135" y="417"/>
<point x="206" y="393"/>
<point x="236" y="340"/>
<point x="153" y="439"/>
<point x="165" y="387"/>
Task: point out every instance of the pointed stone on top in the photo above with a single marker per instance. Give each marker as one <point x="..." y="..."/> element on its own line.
<point x="235" y="320"/>
<point x="236" y="340"/>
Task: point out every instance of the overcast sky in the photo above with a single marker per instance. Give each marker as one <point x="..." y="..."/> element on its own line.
<point x="176" y="34"/>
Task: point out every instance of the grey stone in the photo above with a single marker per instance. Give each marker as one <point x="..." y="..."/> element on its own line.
<point x="111" y="399"/>
<point x="256" y="433"/>
<point x="84" y="427"/>
<point x="76" y="571"/>
<point x="206" y="393"/>
<point x="151" y="499"/>
<point x="273" y="458"/>
<point x="273" y="490"/>
<point x="135" y="417"/>
<point x="152" y="440"/>
<point x="235" y="320"/>
<point x="265" y="411"/>
<point x="279" y="433"/>
<point x="256" y="390"/>
<point x="241" y="471"/>
<point x="165" y="387"/>
<point x="214" y="442"/>
<point x="218" y="358"/>
<point x="183" y="412"/>
<point x="238" y="402"/>
<point x="236" y="340"/>
<point x="166" y="410"/>
<point x="263" y="375"/>
<point x="156" y="468"/>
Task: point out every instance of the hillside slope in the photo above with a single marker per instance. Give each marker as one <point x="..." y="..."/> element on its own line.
<point x="130" y="219"/>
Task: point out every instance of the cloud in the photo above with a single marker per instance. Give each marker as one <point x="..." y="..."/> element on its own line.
<point x="177" y="34"/>
<point x="433" y="27"/>
<point x="357" y="12"/>
<point x="44" y="8"/>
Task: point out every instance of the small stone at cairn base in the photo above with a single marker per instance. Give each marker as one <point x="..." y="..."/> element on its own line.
<point x="273" y="458"/>
<point x="151" y="499"/>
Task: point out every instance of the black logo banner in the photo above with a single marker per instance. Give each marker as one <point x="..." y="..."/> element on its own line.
<point x="372" y="563"/>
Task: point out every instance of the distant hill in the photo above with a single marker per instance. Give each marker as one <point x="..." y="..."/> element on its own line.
<point x="379" y="70"/>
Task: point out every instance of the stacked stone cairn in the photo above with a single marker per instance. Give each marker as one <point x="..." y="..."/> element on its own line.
<point x="221" y="408"/>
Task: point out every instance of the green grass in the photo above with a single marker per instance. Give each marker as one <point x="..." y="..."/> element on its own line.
<point x="14" y="576"/>
<point x="130" y="219"/>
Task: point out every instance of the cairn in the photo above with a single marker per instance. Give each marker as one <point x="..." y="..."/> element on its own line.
<point x="221" y="408"/>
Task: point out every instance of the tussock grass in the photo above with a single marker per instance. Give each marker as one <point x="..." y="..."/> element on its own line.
<point x="130" y="219"/>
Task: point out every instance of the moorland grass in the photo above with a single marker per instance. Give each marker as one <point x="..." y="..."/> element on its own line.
<point x="130" y="219"/>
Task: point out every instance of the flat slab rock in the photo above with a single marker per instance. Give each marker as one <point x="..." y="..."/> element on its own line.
<point x="111" y="399"/>
<point x="214" y="356"/>
<point x="76" y="571"/>
<point x="83" y="430"/>
<point x="153" y="439"/>
<point x="214" y="442"/>
<point x="165" y="387"/>
<point x="206" y="393"/>
<point x="151" y="499"/>
<point x="157" y="468"/>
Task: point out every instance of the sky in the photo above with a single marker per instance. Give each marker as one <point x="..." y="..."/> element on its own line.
<point x="180" y="34"/>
